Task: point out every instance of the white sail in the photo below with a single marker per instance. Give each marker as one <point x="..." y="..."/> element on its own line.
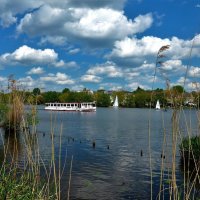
<point x="157" y="105"/>
<point x="116" y="103"/>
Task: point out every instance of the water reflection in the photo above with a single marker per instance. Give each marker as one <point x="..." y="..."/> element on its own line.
<point x="12" y="146"/>
<point x="117" y="172"/>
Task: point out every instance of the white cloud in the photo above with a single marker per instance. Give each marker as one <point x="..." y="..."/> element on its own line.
<point x="108" y="69"/>
<point x="9" y="9"/>
<point x="77" y="87"/>
<point x="173" y="66"/>
<point x="90" y="78"/>
<point x="91" y="26"/>
<point x="56" y="40"/>
<point x="3" y="79"/>
<point x="27" y="82"/>
<point x="134" y="85"/>
<point x="119" y="4"/>
<point x="194" y="86"/>
<point x="134" y="50"/>
<point x="194" y="72"/>
<point x="58" y="78"/>
<point x="74" y="51"/>
<point x="110" y="86"/>
<point x="133" y="47"/>
<point x="27" y="55"/>
<point x="62" y="64"/>
<point x="36" y="70"/>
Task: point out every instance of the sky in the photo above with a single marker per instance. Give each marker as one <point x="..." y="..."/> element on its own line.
<point x="100" y="44"/>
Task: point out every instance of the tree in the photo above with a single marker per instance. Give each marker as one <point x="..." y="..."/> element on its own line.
<point x="130" y="101"/>
<point x="66" y="90"/>
<point x="51" y="96"/>
<point x="178" y="89"/>
<point x="138" y="90"/>
<point x="36" y="91"/>
<point x="103" y="100"/>
<point x="142" y="99"/>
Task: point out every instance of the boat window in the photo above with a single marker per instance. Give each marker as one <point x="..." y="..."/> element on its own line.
<point x="59" y="105"/>
<point x="54" y="104"/>
<point x="72" y="105"/>
<point x="64" y="105"/>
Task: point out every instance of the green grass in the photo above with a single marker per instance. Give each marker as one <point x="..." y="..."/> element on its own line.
<point x="190" y="147"/>
<point x="16" y="184"/>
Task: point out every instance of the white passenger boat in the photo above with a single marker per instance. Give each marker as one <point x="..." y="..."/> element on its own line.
<point x="82" y="107"/>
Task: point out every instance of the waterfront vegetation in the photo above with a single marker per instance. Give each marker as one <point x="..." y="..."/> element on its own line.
<point x="139" y="98"/>
<point x="190" y="148"/>
<point x="28" y="183"/>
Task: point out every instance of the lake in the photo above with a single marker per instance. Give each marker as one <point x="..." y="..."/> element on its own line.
<point x="119" y="165"/>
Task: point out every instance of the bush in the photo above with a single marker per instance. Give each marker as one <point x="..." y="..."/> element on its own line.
<point x="190" y="148"/>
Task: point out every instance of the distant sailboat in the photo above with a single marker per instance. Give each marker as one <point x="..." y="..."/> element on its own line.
<point x="157" y="105"/>
<point x="116" y="103"/>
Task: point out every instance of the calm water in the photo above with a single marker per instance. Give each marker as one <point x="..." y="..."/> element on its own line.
<point x="115" y="168"/>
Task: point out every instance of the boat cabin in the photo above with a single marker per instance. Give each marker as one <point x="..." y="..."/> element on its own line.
<point x="85" y="106"/>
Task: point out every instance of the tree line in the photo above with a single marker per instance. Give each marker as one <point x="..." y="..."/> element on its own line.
<point x="139" y="98"/>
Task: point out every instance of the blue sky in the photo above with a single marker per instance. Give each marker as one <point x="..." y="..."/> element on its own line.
<point x="99" y="44"/>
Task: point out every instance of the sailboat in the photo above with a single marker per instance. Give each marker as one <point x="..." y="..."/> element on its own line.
<point x="116" y="103"/>
<point x="157" y="105"/>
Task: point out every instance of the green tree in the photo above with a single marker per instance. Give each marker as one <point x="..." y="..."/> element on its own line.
<point x="51" y="96"/>
<point x="178" y="89"/>
<point x="142" y="99"/>
<point x="85" y="97"/>
<point x="102" y="99"/>
<point x="139" y="90"/>
<point x="64" y="97"/>
<point x="130" y="101"/>
<point x="36" y="91"/>
<point x="66" y="90"/>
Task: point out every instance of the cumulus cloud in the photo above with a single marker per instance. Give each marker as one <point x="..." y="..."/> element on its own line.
<point x="36" y="70"/>
<point x="108" y="69"/>
<point x="119" y="4"/>
<point x="91" y="78"/>
<point x="27" y="55"/>
<point x="9" y="9"/>
<point x="62" y="64"/>
<point x="133" y="47"/>
<point x="173" y="67"/>
<point x="58" y="78"/>
<point x="27" y="82"/>
<point x="110" y="86"/>
<point x="74" y="51"/>
<point x="2" y="79"/>
<point x="91" y="26"/>
<point x="194" y="86"/>
<point x="134" y="50"/>
<point x="194" y="72"/>
<point x="134" y="85"/>
<point x="56" y="40"/>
